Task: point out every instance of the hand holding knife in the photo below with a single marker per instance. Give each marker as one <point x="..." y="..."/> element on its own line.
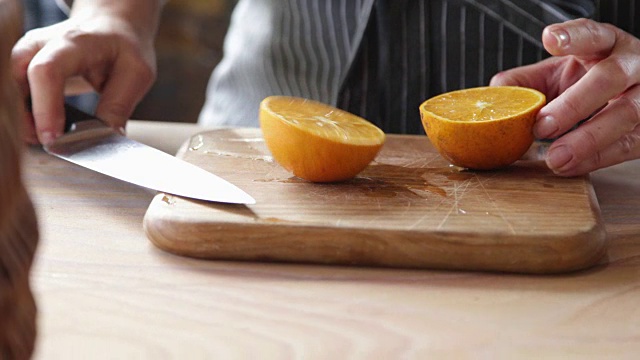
<point x="91" y="143"/>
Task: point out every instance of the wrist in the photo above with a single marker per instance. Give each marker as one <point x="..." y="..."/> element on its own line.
<point x="141" y="15"/>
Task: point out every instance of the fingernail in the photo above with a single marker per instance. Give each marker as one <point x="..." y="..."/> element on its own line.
<point x="545" y="127"/>
<point x="122" y="131"/>
<point x="47" y="137"/>
<point x="562" y="38"/>
<point x="558" y="157"/>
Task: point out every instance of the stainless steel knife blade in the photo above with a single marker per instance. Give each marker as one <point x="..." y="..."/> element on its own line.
<point x="91" y="143"/>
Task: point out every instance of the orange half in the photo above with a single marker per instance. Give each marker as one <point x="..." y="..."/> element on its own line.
<point x="316" y="141"/>
<point x="482" y="128"/>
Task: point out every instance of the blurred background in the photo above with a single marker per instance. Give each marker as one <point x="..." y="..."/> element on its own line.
<point x="189" y="46"/>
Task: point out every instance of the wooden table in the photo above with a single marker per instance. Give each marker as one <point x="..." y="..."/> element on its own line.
<point x="104" y="291"/>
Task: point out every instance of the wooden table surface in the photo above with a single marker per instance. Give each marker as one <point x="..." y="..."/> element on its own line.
<point x="104" y="291"/>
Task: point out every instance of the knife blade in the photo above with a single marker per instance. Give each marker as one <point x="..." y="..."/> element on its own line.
<point x="91" y="143"/>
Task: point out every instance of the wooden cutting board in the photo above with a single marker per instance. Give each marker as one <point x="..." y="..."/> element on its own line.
<point x="409" y="208"/>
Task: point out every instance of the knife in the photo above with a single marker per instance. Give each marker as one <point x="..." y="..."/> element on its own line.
<point x="91" y="143"/>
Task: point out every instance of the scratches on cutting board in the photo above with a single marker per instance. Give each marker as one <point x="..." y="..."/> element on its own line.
<point x="470" y="198"/>
<point x="459" y="190"/>
<point x="497" y="209"/>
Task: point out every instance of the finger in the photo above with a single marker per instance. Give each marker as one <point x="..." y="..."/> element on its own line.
<point x="47" y="73"/>
<point x="530" y="76"/>
<point x="586" y="143"/>
<point x="605" y="80"/>
<point x="21" y="55"/>
<point x="625" y="149"/>
<point x="584" y="38"/>
<point x="123" y="91"/>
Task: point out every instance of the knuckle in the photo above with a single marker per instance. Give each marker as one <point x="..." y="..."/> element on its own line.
<point x="572" y="107"/>
<point x="596" y="32"/>
<point x="141" y="65"/>
<point x="630" y="143"/>
<point x="618" y="73"/>
<point x="78" y="36"/>
<point x="145" y="71"/>
<point x="629" y="110"/>
<point x="30" y="34"/>
<point x="597" y="160"/>
<point x="627" y="144"/>
<point x="42" y="69"/>
<point x="75" y="33"/>
<point x="590" y="141"/>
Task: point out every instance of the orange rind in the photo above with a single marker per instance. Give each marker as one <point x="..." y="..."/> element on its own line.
<point x="482" y="128"/>
<point x="318" y="142"/>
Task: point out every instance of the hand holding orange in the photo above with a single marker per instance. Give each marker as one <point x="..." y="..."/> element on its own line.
<point x="482" y="128"/>
<point x="315" y="141"/>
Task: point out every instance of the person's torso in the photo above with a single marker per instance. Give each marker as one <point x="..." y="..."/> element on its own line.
<point x="380" y="58"/>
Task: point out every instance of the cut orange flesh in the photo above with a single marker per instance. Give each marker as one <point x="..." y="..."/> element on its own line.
<point x="318" y="142"/>
<point x="482" y="128"/>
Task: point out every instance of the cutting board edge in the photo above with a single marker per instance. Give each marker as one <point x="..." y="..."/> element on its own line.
<point x="387" y="248"/>
<point x="587" y="248"/>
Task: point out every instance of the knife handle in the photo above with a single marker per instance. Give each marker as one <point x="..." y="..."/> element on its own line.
<point x="72" y="115"/>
